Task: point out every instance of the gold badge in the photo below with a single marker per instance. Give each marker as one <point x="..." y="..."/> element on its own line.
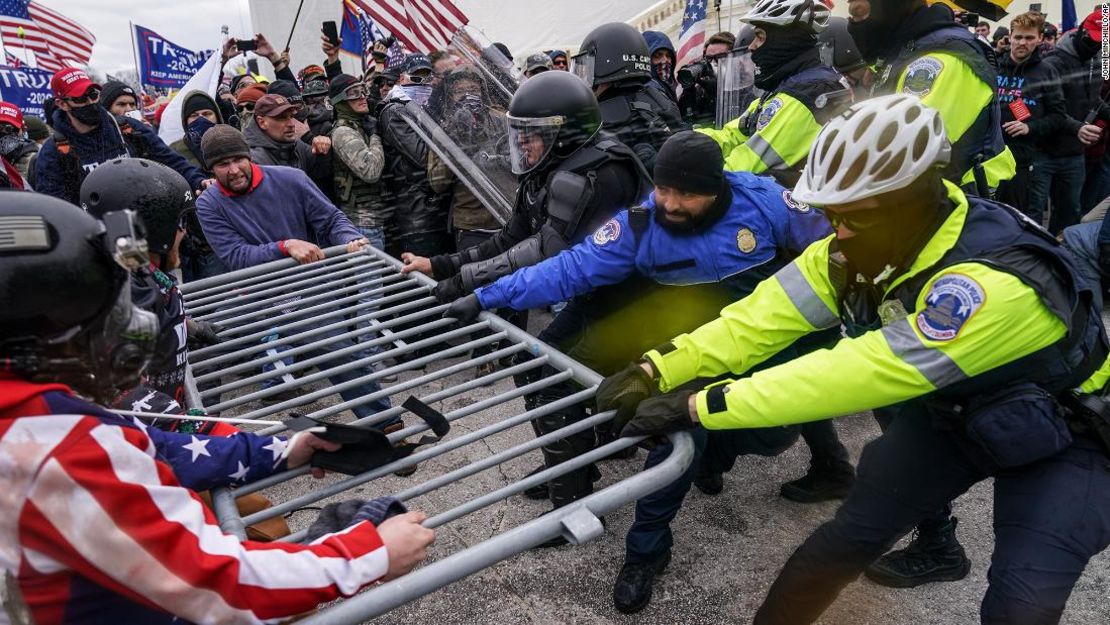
<point x="745" y="240"/>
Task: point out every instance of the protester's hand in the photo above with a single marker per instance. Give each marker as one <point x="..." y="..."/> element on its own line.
<point x="302" y="251"/>
<point x="357" y="244"/>
<point x="201" y="333"/>
<point x="330" y="51"/>
<point x="465" y="309"/>
<point x="266" y="49"/>
<point x="406" y="542"/>
<point x="420" y="264"/>
<point x="204" y="184"/>
<point x="1015" y="128"/>
<point x="662" y="415"/>
<point x="378" y="51"/>
<point x="321" y="145"/>
<point x="300" y="448"/>
<point x="1089" y="134"/>
<point x="623" y="391"/>
<point x="449" y="290"/>
<point x="283" y="58"/>
<point x="229" y="50"/>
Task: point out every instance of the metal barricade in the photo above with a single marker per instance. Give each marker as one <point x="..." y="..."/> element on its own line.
<point x="361" y="303"/>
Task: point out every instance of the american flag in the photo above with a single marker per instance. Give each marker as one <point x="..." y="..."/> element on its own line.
<point x="56" y="40"/>
<point x="420" y="25"/>
<point x="12" y="60"/>
<point x="692" y="36"/>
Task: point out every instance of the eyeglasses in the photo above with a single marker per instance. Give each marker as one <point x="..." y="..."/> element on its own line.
<point x="459" y="94"/>
<point x="858" y="221"/>
<point x="419" y="79"/>
<point x="92" y="95"/>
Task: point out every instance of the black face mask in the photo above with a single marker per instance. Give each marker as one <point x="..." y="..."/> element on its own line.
<point x="870" y="35"/>
<point x="88" y="114"/>
<point x="782" y="46"/>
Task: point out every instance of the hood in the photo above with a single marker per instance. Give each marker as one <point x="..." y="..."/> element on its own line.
<point x="1066" y="45"/>
<point x="658" y="41"/>
<point x="197" y="93"/>
<point x="15" y="391"/>
<point x="1006" y="63"/>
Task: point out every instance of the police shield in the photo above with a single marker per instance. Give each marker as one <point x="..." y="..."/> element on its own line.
<point x="735" y="86"/>
<point x="472" y="48"/>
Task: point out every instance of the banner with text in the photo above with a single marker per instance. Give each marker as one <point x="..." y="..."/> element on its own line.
<point x="163" y="63"/>
<point x="26" y="87"/>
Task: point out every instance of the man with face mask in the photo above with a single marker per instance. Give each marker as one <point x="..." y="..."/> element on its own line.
<point x="662" y="55"/>
<point x="800" y="93"/>
<point x="966" y="321"/>
<point x="919" y="49"/>
<point x="85" y="135"/>
<point x="14" y="144"/>
<point x="704" y="238"/>
<point x="319" y="113"/>
<point x="359" y="160"/>
<point x="199" y="113"/>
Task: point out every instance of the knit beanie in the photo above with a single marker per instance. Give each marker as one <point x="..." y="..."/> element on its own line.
<point x="195" y="102"/>
<point x="250" y="94"/>
<point x="114" y="89"/>
<point x="286" y="88"/>
<point x="223" y="141"/>
<point x="692" y="162"/>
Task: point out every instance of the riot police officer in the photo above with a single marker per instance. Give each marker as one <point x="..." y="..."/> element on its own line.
<point x="966" y="320"/>
<point x="615" y="62"/>
<point x="800" y="93"/>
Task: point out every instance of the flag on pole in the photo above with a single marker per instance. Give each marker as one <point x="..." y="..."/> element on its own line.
<point x="12" y="60"/>
<point x="358" y="32"/>
<point x="420" y="25"/>
<point x="1068" y="18"/>
<point x="56" y="41"/>
<point x="206" y="79"/>
<point x="691" y="38"/>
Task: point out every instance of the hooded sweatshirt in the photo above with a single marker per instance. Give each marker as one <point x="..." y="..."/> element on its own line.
<point x="658" y="41"/>
<point x="296" y="154"/>
<point x="185" y="146"/>
<point x="1037" y="85"/>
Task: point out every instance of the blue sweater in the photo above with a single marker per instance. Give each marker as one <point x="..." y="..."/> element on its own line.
<point x="282" y="203"/>
<point x="103" y="144"/>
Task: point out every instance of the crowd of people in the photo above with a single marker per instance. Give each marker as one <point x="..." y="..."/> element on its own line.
<point x="897" y="212"/>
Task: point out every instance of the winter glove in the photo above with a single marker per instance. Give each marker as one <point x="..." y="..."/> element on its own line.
<point x="464" y="309"/>
<point x="661" y="415"/>
<point x="202" y="334"/>
<point x="449" y="290"/>
<point x="336" y="517"/>
<point x="623" y="391"/>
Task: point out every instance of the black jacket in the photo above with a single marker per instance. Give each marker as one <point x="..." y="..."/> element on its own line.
<point x="417" y="208"/>
<point x="296" y="154"/>
<point x="1081" y="80"/>
<point x="1038" y="84"/>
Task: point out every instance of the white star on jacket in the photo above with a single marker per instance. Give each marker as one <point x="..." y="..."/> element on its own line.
<point x="278" y="448"/>
<point x="240" y="473"/>
<point x="198" y="447"/>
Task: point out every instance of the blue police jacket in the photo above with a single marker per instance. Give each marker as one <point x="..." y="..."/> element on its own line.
<point x="763" y="228"/>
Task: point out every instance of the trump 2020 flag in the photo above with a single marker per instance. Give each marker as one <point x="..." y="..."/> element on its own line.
<point x="206" y="80"/>
<point x="163" y="63"/>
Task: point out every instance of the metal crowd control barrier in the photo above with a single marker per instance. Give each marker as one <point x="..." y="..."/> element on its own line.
<point x="351" y="296"/>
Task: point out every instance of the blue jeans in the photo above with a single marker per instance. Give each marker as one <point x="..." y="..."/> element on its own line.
<point x="1061" y="178"/>
<point x="715" y="451"/>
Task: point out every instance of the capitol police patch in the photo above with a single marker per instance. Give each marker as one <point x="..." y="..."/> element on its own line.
<point x="745" y="241"/>
<point x="611" y="231"/>
<point x="920" y="76"/>
<point x="953" y="299"/>
<point x="767" y="113"/>
<point x="793" y="204"/>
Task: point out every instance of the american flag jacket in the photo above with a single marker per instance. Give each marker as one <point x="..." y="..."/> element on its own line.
<point x="98" y="522"/>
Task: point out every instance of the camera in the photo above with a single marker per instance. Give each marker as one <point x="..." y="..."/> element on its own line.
<point x="696" y="72"/>
<point x="967" y="19"/>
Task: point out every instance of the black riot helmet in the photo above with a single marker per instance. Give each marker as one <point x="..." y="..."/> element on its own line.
<point x="550" y="116"/>
<point x="65" y="304"/>
<point x="838" y="49"/>
<point x="613" y="52"/>
<point x="157" y="193"/>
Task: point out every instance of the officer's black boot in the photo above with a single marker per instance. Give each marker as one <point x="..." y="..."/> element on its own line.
<point x="823" y="481"/>
<point x="934" y="555"/>
<point x="539" y="492"/>
<point x="569" y="487"/>
<point x="632" y="590"/>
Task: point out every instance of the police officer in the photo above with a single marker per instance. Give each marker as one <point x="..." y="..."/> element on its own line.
<point x="615" y="62"/>
<point x="968" y="329"/>
<point x="800" y="93"/>
<point x="705" y="238"/>
<point x="920" y="50"/>
<point x="161" y="198"/>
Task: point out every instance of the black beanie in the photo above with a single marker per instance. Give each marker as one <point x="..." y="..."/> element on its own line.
<point x="196" y="102"/>
<point x="286" y="88"/>
<point x="692" y="162"/>
<point x="338" y="86"/>
<point x="114" y="89"/>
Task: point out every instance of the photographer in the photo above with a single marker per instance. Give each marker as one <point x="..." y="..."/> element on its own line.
<point x="698" y="81"/>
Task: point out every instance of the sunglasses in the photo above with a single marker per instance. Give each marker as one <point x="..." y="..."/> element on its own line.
<point x="92" y="95"/>
<point x="859" y="221"/>
<point x="248" y="107"/>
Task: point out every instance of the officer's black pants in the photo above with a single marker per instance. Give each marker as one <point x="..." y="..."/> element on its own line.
<point x="1050" y="517"/>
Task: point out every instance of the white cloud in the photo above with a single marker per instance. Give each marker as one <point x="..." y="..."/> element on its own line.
<point x="194" y="24"/>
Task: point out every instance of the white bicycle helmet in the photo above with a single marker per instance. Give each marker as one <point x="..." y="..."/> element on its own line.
<point x="813" y="14"/>
<point x="876" y="146"/>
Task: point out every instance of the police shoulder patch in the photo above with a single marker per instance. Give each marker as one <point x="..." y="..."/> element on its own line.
<point x="793" y="204"/>
<point x="610" y="231"/>
<point x="951" y="302"/>
<point x="767" y="113"/>
<point x="920" y="76"/>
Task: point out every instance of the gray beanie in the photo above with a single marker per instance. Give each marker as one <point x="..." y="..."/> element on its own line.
<point x="223" y="141"/>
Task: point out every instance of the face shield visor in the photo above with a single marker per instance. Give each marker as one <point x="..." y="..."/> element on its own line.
<point x="582" y="65"/>
<point x="531" y="140"/>
<point x="735" y="85"/>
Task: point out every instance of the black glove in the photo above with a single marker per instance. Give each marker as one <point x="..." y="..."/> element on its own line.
<point x="623" y="391"/>
<point x="449" y="290"/>
<point x="464" y="309"/>
<point x="661" y="415"/>
<point x="202" y="334"/>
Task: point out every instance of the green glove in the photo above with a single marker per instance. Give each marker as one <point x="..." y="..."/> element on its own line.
<point x="661" y="415"/>
<point x="623" y="391"/>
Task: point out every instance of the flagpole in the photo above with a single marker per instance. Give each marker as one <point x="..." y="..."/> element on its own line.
<point x="135" y="56"/>
<point x="294" y="26"/>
